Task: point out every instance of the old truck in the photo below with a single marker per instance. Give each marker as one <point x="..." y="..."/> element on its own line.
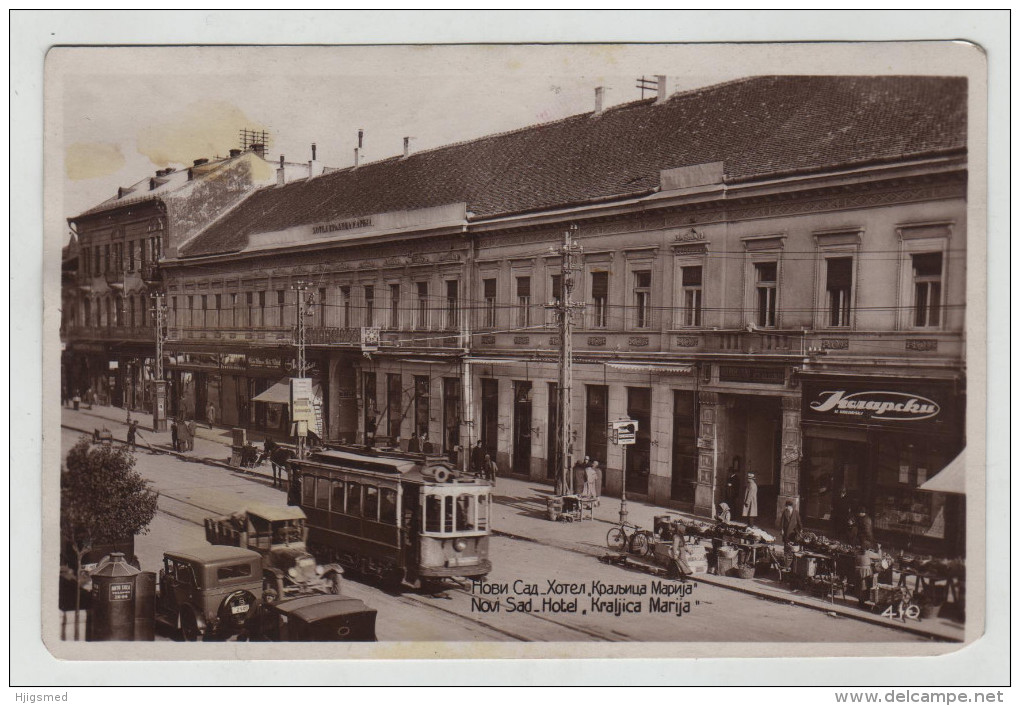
<point x="278" y="534"/>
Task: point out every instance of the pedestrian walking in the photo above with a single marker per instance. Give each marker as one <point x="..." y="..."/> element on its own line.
<point x="210" y="414"/>
<point x="192" y="428"/>
<point x="863" y="534"/>
<point x="132" y="431"/>
<point x="490" y="469"/>
<point x="842" y="512"/>
<point x="789" y="524"/>
<point x="751" y="500"/>
<point x="174" y="435"/>
<point x="733" y="483"/>
<point x="477" y="458"/>
<point x="581" y="474"/>
<point x="596" y="478"/>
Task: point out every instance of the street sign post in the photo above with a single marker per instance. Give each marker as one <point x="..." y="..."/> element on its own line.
<point x="623" y="432"/>
<point x="302" y="410"/>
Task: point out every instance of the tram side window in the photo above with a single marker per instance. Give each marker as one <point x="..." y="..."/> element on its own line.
<point x="308" y="492"/>
<point x="338" y="497"/>
<point x="466" y="511"/>
<point x="371" y="509"/>
<point x="433" y="513"/>
<point x="388" y="506"/>
<point x="322" y="493"/>
<point x="354" y="499"/>
<point x="483" y="512"/>
<point x="449" y="525"/>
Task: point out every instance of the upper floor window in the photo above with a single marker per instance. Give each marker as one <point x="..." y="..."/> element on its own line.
<point x="643" y="298"/>
<point x="452" y="309"/>
<point x="927" y="269"/>
<point x="395" y="306"/>
<point x="600" y="299"/>
<point x="489" y="287"/>
<point x="107" y="264"/>
<point x="345" y="302"/>
<point x="766" y="290"/>
<point x="281" y="299"/>
<point x="838" y="284"/>
<point x="131" y="256"/>
<point x="369" y="305"/>
<point x="423" y="305"/>
<point x="691" y="286"/>
<point x="322" y="307"/>
<point x="262" y="308"/>
<point x="524" y="301"/>
<point x="556" y="289"/>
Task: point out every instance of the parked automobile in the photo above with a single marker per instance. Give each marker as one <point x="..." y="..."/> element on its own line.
<point x="278" y="534"/>
<point x="210" y="592"/>
<point x="319" y="618"/>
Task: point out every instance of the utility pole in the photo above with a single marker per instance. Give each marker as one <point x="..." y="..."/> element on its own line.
<point x="570" y="253"/>
<point x="158" y="380"/>
<point x="303" y="310"/>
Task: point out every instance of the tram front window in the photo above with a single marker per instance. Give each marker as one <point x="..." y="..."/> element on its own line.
<point x="433" y="513"/>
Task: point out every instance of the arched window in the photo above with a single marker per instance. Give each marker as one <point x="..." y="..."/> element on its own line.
<point x="120" y="310"/>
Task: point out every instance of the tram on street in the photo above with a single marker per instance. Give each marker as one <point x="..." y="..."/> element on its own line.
<point x="397" y="517"/>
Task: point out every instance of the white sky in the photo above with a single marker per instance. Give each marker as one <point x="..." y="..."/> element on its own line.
<point x="128" y="112"/>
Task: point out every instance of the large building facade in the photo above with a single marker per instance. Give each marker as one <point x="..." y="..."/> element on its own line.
<point x="773" y="279"/>
<point x="108" y="321"/>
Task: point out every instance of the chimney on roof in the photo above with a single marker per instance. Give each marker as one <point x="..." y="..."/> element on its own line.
<point x="407" y="147"/>
<point x="281" y="174"/>
<point x="235" y="153"/>
<point x="600" y="94"/>
<point x="356" y="156"/>
<point x="200" y="162"/>
<point x="191" y="174"/>
<point x="661" y="94"/>
<point x="152" y="182"/>
<point x="361" y="138"/>
<point x="314" y="167"/>
<point x="120" y="192"/>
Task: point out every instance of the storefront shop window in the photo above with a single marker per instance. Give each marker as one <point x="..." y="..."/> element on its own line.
<point x="903" y="464"/>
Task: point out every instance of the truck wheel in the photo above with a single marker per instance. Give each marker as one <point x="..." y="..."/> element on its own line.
<point x="189" y="627"/>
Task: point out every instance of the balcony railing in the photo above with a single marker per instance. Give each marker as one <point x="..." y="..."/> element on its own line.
<point x="110" y="333"/>
<point x="149" y="272"/>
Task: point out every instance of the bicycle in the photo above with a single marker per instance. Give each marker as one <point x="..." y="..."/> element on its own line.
<point x="638" y="541"/>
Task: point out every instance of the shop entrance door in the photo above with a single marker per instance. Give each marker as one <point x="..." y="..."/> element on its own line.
<point x="522" y="428"/>
<point x="685" y="449"/>
<point x="595" y="424"/>
<point x="490" y="416"/>
<point x="829" y="465"/>
<point x="639" y="408"/>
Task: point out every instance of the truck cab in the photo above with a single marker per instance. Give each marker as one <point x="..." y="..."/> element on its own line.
<point x="278" y="534"/>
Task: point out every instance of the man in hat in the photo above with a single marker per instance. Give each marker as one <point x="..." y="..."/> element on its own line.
<point x="750" y="500"/>
<point x="789" y="523"/>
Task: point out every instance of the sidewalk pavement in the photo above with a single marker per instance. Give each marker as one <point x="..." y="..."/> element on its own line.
<point x="521" y="505"/>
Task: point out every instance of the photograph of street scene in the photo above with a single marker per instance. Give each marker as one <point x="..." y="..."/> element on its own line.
<point x="356" y="348"/>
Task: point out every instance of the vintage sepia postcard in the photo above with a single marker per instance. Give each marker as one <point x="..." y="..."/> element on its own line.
<point x="514" y="351"/>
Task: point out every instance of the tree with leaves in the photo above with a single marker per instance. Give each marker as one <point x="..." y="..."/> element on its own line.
<point x="103" y="500"/>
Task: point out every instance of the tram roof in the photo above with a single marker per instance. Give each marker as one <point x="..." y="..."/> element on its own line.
<point x="384" y="464"/>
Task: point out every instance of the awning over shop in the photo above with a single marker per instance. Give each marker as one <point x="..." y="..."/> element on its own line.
<point x="950" y="479"/>
<point x="280" y="393"/>
<point x="652" y="368"/>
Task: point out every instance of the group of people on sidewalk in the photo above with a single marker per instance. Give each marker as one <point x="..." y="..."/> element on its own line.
<point x="182" y="435"/>
<point x="588" y="478"/>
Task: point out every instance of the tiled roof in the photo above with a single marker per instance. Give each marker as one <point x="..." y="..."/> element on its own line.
<point x="757" y="126"/>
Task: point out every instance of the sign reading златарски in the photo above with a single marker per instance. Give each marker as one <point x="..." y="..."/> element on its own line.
<point x="878" y="402"/>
